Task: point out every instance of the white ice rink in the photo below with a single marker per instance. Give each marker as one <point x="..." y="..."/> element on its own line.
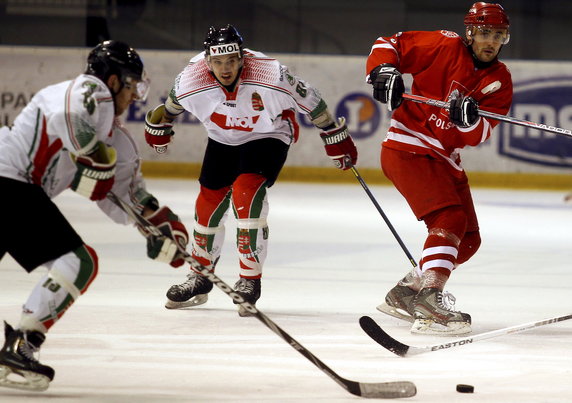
<point x="331" y="260"/>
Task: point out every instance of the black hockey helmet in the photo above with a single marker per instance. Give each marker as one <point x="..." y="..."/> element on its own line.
<point x="116" y="57"/>
<point x="223" y="41"/>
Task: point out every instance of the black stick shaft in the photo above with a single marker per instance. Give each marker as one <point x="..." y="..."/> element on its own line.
<point x="388" y="390"/>
<point x="378" y="207"/>
<point x="492" y="115"/>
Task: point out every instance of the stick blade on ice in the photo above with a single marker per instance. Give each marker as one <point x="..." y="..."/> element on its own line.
<point x="380" y="336"/>
<point x="374" y="331"/>
<point x="387" y="390"/>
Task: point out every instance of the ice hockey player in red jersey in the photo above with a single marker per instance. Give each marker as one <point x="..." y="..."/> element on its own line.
<point x="70" y="136"/>
<point x="420" y="154"/>
<point x="247" y="102"/>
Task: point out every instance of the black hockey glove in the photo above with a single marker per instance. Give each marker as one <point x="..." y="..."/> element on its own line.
<point x="463" y="111"/>
<point x="388" y="87"/>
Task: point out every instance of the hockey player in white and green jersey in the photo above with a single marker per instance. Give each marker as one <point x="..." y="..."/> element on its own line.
<point x="69" y="135"/>
<point x="247" y="102"/>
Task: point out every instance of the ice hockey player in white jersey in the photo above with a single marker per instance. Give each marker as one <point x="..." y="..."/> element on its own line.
<point x="69" y="135"/>
<point x="247" y="102"/>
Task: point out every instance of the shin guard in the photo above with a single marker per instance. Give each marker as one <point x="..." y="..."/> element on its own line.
<point x="250" y="206"/>
<point x="70" y="276"/>
<point x="210" y="214"/>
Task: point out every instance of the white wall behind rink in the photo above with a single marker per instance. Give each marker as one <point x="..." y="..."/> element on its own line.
<point x="341" y="80"/>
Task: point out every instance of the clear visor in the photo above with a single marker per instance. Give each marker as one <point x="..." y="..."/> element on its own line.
<point x="141" y="86"/>
<point x="489" y="33"/>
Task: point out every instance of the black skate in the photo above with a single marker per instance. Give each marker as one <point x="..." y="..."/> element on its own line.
<point x="434" y="314"/>
<point x="18" y="367"/>
<point x="249" y="289"/>
<point x="194" y="291"/>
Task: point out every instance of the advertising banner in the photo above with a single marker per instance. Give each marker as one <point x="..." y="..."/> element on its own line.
<point x="542" y="94"/>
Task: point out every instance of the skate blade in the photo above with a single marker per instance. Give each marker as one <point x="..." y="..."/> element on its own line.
<point x="395" y="312"/>
<point x="428" y="326"/>
<point x="24" y="380"/>
<point x="196" y="300"/>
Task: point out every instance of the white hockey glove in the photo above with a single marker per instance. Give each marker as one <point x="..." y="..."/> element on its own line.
<point x="158" y="135"/>
<point x="388" y="87"/>
<point x="95" y="173"/>
<point x="164" y="248"/>
<point x="463" y="111"/>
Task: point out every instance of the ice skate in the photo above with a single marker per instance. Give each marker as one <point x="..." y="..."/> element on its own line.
<point x="19" y="369"/>
<point x="399" y="303"/>
<point x="434" y="314"/>
<point x="249" y="289"/>
<point x="194" y="291"/>
<point x="399" y="300"/>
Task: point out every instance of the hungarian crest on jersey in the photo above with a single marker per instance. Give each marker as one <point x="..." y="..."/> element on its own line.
<point x="257" y="103"/>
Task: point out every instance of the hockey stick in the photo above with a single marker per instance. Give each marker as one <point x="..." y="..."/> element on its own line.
<point x="496" y="116"/>
<point x="385" y="390"/>
<point x="378" y="207"/>
<point x="380" y="336"/>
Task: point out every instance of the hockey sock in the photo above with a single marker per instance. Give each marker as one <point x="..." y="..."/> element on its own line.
<point x="446" y="227"/>
<point x="251" y="209"/>
<point x="211" y="210"/>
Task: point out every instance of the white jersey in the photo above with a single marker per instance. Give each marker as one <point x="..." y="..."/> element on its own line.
<point x="71" y="116"/>
<point x="265" y="96"/>
<point x="64" y="119"/>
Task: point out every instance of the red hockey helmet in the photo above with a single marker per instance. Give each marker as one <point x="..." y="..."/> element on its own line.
<point x="487" y="14"/>
<point x="484" y="17"/>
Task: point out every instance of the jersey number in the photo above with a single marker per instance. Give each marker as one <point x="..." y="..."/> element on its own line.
<point x="51" y="285"/>
<point x="88" y="101"/>
<point x="300" y="89"/>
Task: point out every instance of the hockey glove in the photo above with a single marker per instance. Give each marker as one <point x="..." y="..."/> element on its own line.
<point x="164" y="248"/>
<point x="388" y="87"/>
<point x="95" y="173"/>
<point x="463" y="111"/>
<point x="339" y="145"/>
<point x="158" y="135"/>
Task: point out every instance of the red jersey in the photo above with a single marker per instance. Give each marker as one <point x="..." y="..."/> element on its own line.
<point x="440" y="62"/>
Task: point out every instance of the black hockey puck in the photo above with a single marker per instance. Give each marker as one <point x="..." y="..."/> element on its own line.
<point x="461" y="388"/>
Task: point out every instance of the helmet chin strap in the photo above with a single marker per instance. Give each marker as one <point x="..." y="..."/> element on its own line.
<point x="115" y="93"/>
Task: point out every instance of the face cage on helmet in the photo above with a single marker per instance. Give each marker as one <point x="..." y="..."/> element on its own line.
<point x="473" y="28"/>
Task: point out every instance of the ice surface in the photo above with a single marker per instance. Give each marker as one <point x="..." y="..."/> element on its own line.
<point x="331" y="260"/>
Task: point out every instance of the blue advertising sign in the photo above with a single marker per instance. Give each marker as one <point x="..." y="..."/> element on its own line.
<point x="546" y="101"/>
<point x="362" y="113"/>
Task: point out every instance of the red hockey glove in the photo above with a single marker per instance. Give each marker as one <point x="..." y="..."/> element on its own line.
<point x="158" y="135"/>
<point x="339" y="145"/>
<point x="463" y="111"/>
<point x="164" y="248"/>
<point x="95" y="173"/>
